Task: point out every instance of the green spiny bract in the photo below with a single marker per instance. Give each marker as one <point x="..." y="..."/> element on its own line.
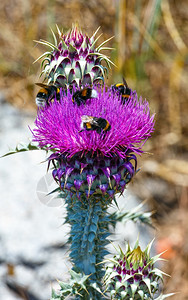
<point x="132" y="275"/>
<point x="74" y="60"/>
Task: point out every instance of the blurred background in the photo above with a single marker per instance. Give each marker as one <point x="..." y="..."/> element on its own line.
<point x="151" y="52"/>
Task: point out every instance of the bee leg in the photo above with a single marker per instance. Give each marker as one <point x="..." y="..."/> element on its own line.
<point x="79" y="102"/>
<point x="103" y="134"/>
<point x="99" y="130"/>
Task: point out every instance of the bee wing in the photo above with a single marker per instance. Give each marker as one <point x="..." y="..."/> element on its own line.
<point x="94" y="93"/>
<point x="95" y="121"/>
<point x="86" y="118"/>
<point x="42" y="85"/>
<point x="125" y="82"/>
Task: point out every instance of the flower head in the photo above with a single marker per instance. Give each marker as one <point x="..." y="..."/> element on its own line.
<point x="132" y="274"/>
<point x="74" y="60"/>
<point x="58" y="127"/>
<point x="94" y="162"/>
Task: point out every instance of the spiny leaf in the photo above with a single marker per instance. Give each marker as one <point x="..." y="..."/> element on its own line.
<point x="107" y="48"/>
<point x="64" y="46"/>
<point x="22" y="147"/>
<point x="42" y="63"/>
<point x="72" y="49"/>
<point x="46" y="43"/>
<point x="95" y="32"/>
<point x="162" y="297"/>
<point x="141" y="294"/>
<point x="96" y="287"/>
<point x="148" y="248"/>
<point x="55" y="40"/>
<point x="148" y="283"/>
<point x="101" y="69"/>
<point x="55" y="295"/>
<point x="144" y="217"/>
<point x="44" y="54"/>
<point x="106" y="59"/>
<point x="54" y="191"/>
<point x="106" y="41"/>
<point x="96" y="40"/>
<point x="58" y="30"/>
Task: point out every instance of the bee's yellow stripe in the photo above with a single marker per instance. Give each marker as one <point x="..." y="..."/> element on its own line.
<point x="43" y="91"/>
<point x="126" y="96"/>
<point x="84" y="92"/>
<point x="88" y="125"/>
<point x="107" y="125"/>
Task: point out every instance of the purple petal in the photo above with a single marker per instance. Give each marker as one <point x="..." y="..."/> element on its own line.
<point x="58" y="126"/>
<point x="90" y="178"/>
<point x="103" y="187"/>
<point x="67" y="174"/>
<point x="54" y="173"/>
<point x="129" y="167"/>
<point x="69" y="185"/>
<point x="122" y="184"/>
<point x="111" y="193"/>
<point x="77" y="183"/>
<point x="117" y="178"/>
<point x="82" y="167"/>
<point x="106" y="171"/>
<point x="60" y="172"/>
<point x="89" y="192"/>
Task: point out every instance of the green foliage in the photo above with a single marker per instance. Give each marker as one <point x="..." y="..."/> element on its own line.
<point x="76" y="286"/>
<point x="132" y="275"/>
<point x="79" y="287"/>
<point x="134" y="215"/>
<point x="88" y="236"/>
<point x="22" y="147"/>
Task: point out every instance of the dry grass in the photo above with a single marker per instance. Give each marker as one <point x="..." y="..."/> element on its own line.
<point x="150" y="38"/>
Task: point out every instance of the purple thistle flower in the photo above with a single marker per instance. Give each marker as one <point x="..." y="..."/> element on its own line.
<point x="94" y="163"/>
<point x="58" y="126"/>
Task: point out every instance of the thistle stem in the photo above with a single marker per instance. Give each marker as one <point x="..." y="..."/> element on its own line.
<point x="89" y="230"/>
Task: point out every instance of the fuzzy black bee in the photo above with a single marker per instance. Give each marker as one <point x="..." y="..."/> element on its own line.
<point x="46" y="94"/>
<point x="80" y="97"/>
<point x="123" y="90"/>
<point x="92" y="123"/>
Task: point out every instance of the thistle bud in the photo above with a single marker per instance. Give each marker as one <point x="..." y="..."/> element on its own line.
<point x="132" y="275"/>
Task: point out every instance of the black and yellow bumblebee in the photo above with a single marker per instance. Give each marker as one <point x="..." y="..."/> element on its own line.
<point x="93" y="123"/>
<point x="46" y="94"/>
<point x="123" y="90"/>
<point x="81" y="96"/>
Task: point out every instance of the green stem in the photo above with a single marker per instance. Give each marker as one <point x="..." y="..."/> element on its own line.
<point x="89" y="230"/>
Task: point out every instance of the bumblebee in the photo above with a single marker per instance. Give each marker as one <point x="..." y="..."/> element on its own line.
<point x="46" y="94"/>
<point x="80" y="97"/>
<point x="123" y="90"/>
<point x="92" y="123"/>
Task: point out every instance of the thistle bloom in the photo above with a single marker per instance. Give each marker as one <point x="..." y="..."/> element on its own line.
<point x="74" y="59"/>
<point x="90" y="163"/>
<point x="132" y="275"/>
<point x="86" y="161"/>
<point x="94" y="144"/>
